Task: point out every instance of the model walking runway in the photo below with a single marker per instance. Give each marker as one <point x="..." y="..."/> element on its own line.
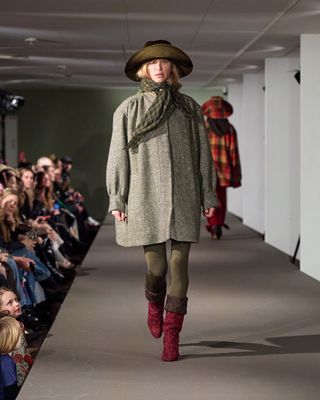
<point x="252" y="330"/>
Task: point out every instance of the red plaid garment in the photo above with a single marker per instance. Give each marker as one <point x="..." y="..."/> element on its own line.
<point x="224" y="150"/>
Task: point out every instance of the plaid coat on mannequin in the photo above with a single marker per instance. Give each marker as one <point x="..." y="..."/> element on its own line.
<point x="162" y="185"/>
<point x="223" y="144"/>
<point x="225" y="153"/>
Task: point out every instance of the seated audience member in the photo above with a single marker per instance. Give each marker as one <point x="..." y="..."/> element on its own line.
<point x="43" y="225"/>
<point x="8" y="177"/>
<point x="10" y="337"/>
<point x="46" y="206"/>
<point x="44" y="230"/>
<point x="19" y="276"/>
<point x="28" y="209"/>
<point x="10" y="238"/>
<point x="45" y="164"/>
<point x="69" y="205"/>
<point x="3" y="267"/>
<point x="9" y="304"/>
<point x="74" y="200"/>
<point x="21" y="286"/>
<point x="67" y="165"/>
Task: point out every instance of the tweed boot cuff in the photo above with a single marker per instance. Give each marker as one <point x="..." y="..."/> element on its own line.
<point x="176" y="304"/>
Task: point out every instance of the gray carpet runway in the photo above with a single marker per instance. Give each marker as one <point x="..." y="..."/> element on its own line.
<point x="252" y="331"/>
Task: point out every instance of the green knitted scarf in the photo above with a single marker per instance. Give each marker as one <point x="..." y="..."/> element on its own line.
<point x="167" y="96"/>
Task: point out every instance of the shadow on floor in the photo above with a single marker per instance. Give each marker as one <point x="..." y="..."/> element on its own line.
<point x="305" y="344"/>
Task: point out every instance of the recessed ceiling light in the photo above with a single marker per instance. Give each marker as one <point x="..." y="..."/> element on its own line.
<point x="266" y="49"/>
<point x="30" y="40"/>
<point x="230" y="80"/>
<point x="6" y="57"/>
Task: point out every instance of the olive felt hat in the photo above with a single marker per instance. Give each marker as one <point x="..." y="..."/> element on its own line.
<point x="158" y="49"/>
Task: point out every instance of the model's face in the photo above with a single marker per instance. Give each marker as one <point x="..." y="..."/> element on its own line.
<point x="10" y="303"/>
<point x="27" y="179"/>
<point x="159" y="70"/>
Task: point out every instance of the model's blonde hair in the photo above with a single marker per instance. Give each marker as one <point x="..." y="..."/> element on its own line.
<point x="142" y="73"/>
<point x="10" y="334"/>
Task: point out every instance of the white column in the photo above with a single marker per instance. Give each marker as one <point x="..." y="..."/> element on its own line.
<point x="282" y="129"/>
<point x="310" y="155"/>
<point x="234" y="196"/>
<point x="11" y="139"/>
<point x="253" y="169"/>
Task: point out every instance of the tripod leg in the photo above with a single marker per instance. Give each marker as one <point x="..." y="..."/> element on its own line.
<point x="296" y="251"/>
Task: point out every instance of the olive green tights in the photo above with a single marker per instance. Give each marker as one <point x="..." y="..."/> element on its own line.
<point x="156" y="257"/>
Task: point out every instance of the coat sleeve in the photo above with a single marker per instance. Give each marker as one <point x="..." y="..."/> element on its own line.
<point x="207" y="171"/>
<point x="118" y="166"/>
<point x="234" y="158"/>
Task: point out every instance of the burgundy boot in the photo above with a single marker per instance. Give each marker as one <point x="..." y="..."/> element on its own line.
<point x="176" y="308"/>
<point x="155" y="311"/>
<point x="155" y="319"/>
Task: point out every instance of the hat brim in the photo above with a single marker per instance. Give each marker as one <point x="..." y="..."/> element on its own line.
<point x="161" y="50"/>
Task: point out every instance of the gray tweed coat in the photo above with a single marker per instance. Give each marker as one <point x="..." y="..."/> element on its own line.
<point x="163" y="185"/>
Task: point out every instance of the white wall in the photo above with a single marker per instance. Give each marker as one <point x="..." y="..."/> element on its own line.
<point x="282" y="129"/>
<point x="253" y="169"/>
<point x="310" y="158"/>
<point x="248" y="118"/>
<point x="234" y="196"/>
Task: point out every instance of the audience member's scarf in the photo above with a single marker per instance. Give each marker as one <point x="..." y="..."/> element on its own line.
<point x="167" y="95"/>
<point x="220" y="126"/>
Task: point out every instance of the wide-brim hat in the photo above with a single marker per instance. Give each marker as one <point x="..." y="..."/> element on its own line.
<point x="158" y="49"/>
<point x="217" y="108"/>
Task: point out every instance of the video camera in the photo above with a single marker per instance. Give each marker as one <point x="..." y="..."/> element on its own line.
<point x="10" y="102"/>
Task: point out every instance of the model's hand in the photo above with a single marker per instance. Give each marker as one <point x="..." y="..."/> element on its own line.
<point x="208" y="212"/>
<point x="119" y="216"/>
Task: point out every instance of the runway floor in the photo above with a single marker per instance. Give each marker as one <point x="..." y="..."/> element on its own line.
<point x="252" y="331"/>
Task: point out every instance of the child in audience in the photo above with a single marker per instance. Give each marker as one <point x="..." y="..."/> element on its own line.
<point x="10" y="304"/>
<point x="10" y="337"/>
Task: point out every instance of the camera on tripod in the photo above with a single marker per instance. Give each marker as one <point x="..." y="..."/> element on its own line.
<point x="10" y="102"/>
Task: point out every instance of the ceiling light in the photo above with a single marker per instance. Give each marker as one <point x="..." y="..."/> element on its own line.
<point x="30" y="40"/>
<point x="266" y="49"/>
<point x="249" y="67"/>
<point x="5" y="57"/>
